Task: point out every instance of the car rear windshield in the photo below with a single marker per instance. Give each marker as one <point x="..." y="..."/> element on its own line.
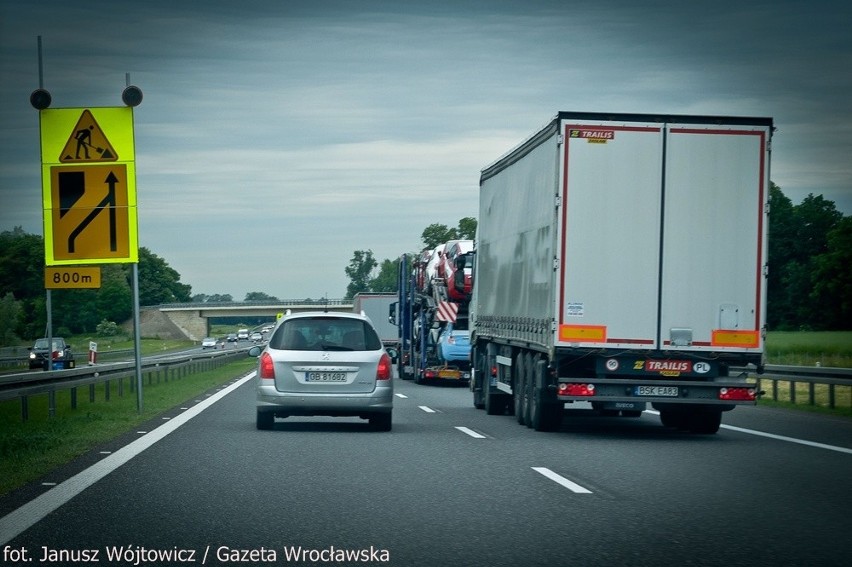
<point x="325" y="333"/>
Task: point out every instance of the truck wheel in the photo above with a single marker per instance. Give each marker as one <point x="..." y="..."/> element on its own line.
<point x="705" y="422"/>
<point x="495" y="404"/>
<point x="544" y="415"/>
<point x="477" y="382"/>
<point x="519" y="390"/>
<point x="478" y="397"/>
<point x="672" y="418"/>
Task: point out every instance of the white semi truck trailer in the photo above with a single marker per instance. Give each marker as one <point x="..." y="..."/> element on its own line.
<point x="621" y="260"/>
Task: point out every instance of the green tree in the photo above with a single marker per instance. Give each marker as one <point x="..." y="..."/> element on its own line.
<point x="359" y="271"/>
<point x="798" y="237"/>
<point x="115" y="297"/>
<point x="259" y="296"/>
<point x="386" y="281"/>
<point x="832" y="276"/>
<point x="467" y="228"/>
<point x="436" y="234"/>
<point x="158" y="282"/>
<point x="10" y="310"/>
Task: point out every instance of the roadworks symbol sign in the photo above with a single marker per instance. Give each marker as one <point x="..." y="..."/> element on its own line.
<point x="87" y="143"/>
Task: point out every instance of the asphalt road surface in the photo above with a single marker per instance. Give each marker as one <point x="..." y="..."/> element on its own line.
<point x="449" y="485"/>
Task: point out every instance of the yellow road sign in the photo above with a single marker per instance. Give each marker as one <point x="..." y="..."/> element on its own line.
<point x="87" y="143"/>
<point x="89" y="215"/>
<point x="87" y="135"/>
<point x="72" y="278"/>
<point x="88" y="186"/>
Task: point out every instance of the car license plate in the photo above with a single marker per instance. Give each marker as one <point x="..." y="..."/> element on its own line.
<point x="325" y="376"/>
<point x="662" y="391"/>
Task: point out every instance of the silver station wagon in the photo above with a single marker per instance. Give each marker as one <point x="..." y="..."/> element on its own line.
<point x="329" y="364"/>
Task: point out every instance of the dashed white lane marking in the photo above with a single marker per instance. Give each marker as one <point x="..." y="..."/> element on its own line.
<point x="572" y="486"/>
<point x="427" y="409"/>
<point x="403" y="396"/>
<point x="778" y="437"/>
<point x="16" y="522"/>
<point x="471" y="432"/>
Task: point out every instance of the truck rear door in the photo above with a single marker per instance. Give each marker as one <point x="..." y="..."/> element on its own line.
<point x="662" y="236"/>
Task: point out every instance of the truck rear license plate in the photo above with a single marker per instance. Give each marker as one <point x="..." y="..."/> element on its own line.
<point x="662" y="391"/>
<point x="454" y="374"/>
<point x="325" y="377"/>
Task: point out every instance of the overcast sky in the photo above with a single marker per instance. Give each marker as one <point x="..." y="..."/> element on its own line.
<point x="277" y="137"/>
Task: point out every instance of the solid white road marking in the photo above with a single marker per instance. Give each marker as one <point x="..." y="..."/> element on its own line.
<point x="16" y="522"/>
<point x="790" y="439"/>
<point x="572" y="486"/>
<point x="427" y="409"/>
<point x="471" y="432"/>
<point x="778" y="437"/>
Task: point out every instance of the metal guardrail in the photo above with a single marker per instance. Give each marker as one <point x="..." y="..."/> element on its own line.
<point x="812" y="376"/>
<point x="22" y="386"/>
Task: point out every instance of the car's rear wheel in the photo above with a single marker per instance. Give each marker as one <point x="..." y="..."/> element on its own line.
<point x="265" y="420"/>
<point x="381" y="421"/>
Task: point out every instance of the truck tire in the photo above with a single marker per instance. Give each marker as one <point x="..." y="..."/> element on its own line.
<point x="477" y="381"/>
<point x="544" y="414"/>
<point x="705" y="422"/>
<point x="520" y="394"/>
<point x="495" y="404"/>
<point x="673" y="418"/>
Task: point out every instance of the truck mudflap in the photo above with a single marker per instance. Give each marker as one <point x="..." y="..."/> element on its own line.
<point x="724" y="394"/>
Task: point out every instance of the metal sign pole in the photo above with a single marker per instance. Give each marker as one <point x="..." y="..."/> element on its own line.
<point x="136" y="339"/>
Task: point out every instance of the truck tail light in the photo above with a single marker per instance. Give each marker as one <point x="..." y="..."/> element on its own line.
<point x="566" y="389"/>
<point x="267" y="367"/>
<point x="737" y="394"/>
<point x="383" y="372"/>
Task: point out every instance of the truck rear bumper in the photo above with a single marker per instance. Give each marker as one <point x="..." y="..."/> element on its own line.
<point x="728" y="393"/>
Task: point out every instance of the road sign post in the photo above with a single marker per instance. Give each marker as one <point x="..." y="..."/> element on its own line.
<point x="89" y="198"/>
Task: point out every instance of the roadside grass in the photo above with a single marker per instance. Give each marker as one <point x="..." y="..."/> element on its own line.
<point x="825" y="349"/>
<point x="30" y="449"/>
<point x="831" y="349"/>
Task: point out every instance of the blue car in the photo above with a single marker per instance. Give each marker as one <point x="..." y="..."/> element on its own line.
<point x="454" y="345"/>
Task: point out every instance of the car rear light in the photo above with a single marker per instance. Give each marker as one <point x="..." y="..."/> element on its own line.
<point x="576" y="389"/>
<point x="738" y="394"/>
<point x="383" y="372"/>
<point x="267" y="367"/>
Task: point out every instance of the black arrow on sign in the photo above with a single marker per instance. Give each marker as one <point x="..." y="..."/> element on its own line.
<point x="108" y="201"/>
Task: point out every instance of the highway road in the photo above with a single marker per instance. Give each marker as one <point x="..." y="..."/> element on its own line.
<point x="448" y="486"/>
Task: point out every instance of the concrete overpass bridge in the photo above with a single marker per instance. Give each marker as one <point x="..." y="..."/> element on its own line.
<point x="192" y="320"/>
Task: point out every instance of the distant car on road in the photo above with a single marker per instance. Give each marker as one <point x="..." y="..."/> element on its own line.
<point x="256" y="336"/>
<point x="208" y="342"/>
<point x="232" y="337"/>
<point x="330" y="364"/>
<point x="62" y="356"/>
<point x="243" y="334"/>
